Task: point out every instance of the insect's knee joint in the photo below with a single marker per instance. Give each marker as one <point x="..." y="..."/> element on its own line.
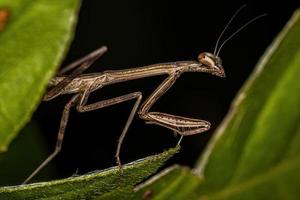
<point x="138" y="94"/>
<point x="143" y="115"/>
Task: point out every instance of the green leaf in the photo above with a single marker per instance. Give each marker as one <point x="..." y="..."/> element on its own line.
<point x="105" y="184"/>
<point x="33" y="43"/>
<point x="256" y="150"/>
<point x="255" y="153"/>
<point x="172" y="183"/>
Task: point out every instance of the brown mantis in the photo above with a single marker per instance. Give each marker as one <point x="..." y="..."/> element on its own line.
<point x="82" y="85"/>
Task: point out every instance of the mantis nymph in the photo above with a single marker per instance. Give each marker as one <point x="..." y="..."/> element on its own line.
<point x="82" y="85"/>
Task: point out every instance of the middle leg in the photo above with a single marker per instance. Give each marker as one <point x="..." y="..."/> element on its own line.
<point x="82" y="107"/>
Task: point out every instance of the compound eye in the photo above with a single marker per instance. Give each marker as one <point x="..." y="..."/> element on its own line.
<point x="206" y="60"/>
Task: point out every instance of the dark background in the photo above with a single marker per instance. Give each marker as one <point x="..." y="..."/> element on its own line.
<point x="139" y="33"/>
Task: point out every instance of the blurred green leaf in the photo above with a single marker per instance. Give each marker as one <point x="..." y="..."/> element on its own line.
<point x="172" y="183"/>
<point x="106" y="184"/>
<point x="257" y="148"/>
<point x="32" y="45"/>
<point x="255" y="153"/>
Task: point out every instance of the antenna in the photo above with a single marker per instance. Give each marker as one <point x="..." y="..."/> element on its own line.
<point x="237" y="31"/>
<point x="227" y="25"/>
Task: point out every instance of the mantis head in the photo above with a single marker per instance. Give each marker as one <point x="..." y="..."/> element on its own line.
<point x="212" y="63"/>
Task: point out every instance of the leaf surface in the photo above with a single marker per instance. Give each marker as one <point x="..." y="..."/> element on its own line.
<point x="106" y="184"/>
<point x="33" y="41"/>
